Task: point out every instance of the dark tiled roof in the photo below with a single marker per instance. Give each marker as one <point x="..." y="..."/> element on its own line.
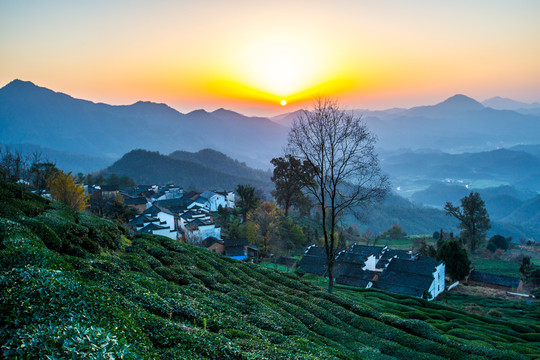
<point x="423" y="266"/>
<point x="235" y="251"/>
<point x="173" y="202"/>
<point x="313" y="265"/>
<point x="314" y="260"/>
<point x="367" y="250"/>
<point x="152" y="210"/>
<point x="151" y="227"/>
<point x="348" y="262"/>
<point x="143" y="219"/>
<point x="403" y="282"/>
<point x="314" y="250"/>
<point x="135" y="201"/>
<point x="110" y="188"/>
<point x="210" y="241"/>
<point x="359" y="278"/>
<point x="501" y="280"/>
<point x="236" y="242"/>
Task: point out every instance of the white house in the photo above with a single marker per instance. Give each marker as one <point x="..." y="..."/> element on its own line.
<point x="421" y="277"/>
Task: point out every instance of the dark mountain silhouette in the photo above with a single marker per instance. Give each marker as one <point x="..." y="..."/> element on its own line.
<point x="221" y="162"/>
<point x="33" y="114"/>
<point x="148" y="167"/>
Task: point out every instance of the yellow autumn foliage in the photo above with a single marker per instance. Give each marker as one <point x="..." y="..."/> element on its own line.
<point x="63" y="188"/>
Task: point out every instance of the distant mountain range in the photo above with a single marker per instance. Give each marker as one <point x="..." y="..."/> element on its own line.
<point x="36" y="115"/>
<point x="206" y="169"/>
<point x="64" y="160"/>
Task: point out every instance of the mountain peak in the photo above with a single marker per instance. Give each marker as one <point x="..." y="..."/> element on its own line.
<point x="462" y="100"/>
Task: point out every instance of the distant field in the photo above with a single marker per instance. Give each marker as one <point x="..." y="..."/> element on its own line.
<point x="499" y="267"/>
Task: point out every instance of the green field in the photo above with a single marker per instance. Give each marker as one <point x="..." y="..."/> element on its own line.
<point x="499" y="267"/>
<point x="76" y="286"/>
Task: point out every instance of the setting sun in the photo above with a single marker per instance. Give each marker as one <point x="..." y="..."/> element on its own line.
<point x="283" y="102"/>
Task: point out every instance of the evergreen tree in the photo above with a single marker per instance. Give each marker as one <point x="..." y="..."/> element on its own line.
<point x="455" y="258"/>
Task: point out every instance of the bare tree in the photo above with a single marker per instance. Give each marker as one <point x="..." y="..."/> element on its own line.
<point x="347" y="177"/>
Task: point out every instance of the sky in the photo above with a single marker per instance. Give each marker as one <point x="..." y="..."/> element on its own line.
<point x="249" y="56"/>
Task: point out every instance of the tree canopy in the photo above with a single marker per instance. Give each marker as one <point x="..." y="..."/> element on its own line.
<point x="63" y="188"/>
<point x="339" y="149"/>
<point x="289" y="177"/>
<point x="248" y="199"/>
<point x="474" y="220"/>
<point x="455" y="258"/>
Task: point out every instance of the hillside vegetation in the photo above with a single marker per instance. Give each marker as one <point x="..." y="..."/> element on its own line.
<point x="207" y="169"/>
<point x="74" y="286"/>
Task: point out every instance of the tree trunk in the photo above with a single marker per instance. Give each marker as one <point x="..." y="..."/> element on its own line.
<point x="330" y="276"/>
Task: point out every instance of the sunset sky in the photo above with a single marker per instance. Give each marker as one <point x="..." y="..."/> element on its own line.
<point x="250" y="55"/>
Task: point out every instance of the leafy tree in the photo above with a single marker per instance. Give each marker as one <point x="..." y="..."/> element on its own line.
<point x="455" y="258"/>
<point x="267" y="218"/>
<point x="63" y="188"/>
<point x="427" y="249"/>
<point x="248" y="199"/>
<point x="346" y="175"/>
<point x="530" y="271"/>
<point x="474" y="219"/>
<point x="395" y="232"/>
<point x="498" y="242"/>
<point x="289" y="177"/>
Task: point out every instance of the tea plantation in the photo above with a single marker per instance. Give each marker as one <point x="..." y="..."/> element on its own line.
<point x="75" y="286"/>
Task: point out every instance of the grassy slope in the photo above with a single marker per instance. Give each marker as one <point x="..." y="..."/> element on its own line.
<point x="72" y="285"/>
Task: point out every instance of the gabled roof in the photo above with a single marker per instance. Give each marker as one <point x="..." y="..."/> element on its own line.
<point x="313" y="265"/>
<point x="142" y="219"/>
<point x="348" y="262"/>
<point x="314" y="250"/>
<point x="210" y="241"/>
<point x="403" y="283"/>
<point x="500" y="280"/>
<point x="314" y="260"/>
<point x="367" y="250"/>
<point x="110" y="187"/>
<point x="141" y="200"/>
<point x="358" y="278"/>
<point x="423" y="266"/>
<point x="208" y="194"/>
<point x="167" y="203"/>
<point x="236" y="242"/>
<point x="155" y="209"/>
<point x="151" y="227"/>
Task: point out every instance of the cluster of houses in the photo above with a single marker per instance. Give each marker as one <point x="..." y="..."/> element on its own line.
<point x="382" y="268"/>
<point x="172" y="212"/>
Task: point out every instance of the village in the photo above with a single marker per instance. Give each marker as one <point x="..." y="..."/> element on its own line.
<point x="188" y="216"/>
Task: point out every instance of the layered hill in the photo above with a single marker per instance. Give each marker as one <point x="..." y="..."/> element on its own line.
<point x="75" y="286"/>
<point x="502" y="165"/>
<point x="206" y="169"/>
<point x="33" y="114"/>
<point x="514" y="212"/>
<point x="64" y="160"/>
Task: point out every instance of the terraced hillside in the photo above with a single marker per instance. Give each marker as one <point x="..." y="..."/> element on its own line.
<point x="75" y="286"/>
